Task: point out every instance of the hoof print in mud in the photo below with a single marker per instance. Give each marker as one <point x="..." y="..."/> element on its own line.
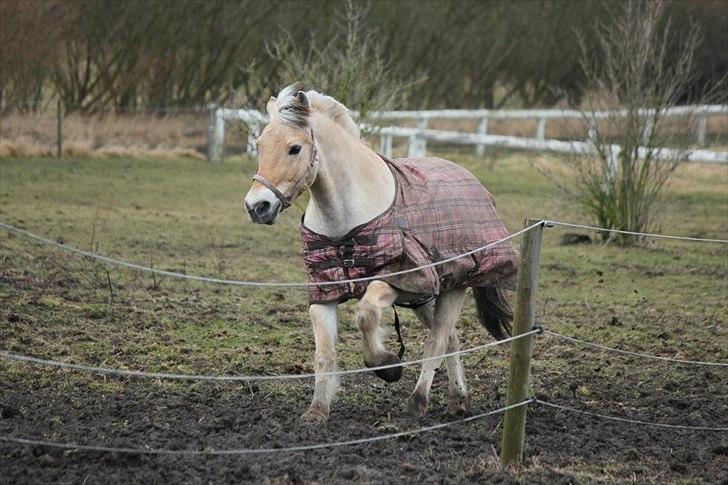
<point x="393" y="374"/>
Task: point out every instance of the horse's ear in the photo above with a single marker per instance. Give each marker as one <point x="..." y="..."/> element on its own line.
<point x="272" y="107"/>
<point x="302" y="99"/>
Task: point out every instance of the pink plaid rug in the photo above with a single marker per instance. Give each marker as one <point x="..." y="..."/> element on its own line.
<point x="440" y="210"/>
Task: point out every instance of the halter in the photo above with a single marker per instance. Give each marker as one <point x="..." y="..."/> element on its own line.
<point x="297" y="187"/>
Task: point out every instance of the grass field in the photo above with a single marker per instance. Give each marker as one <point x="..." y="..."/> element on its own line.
<point x="662" y="298"/>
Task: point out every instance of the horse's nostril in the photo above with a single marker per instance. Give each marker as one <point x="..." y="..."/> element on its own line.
<point x="261" y="208"/>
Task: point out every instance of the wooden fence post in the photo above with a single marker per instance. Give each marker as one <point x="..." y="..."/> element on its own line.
<point x="541" y="129"/>
<point x="514" y="424"/>
<point x="215" y="133"/>
<point x="702" y="128"/>
<point x="253" y="132"/>
<point x="482" y="130"/>
<point x="417" y="143"/>
<point x="647" y="130"/>
<point x="591" y="131"/>
<point x="614" y="154"/>
<point x="59" y="128"/>
<point x="385" y="145"/>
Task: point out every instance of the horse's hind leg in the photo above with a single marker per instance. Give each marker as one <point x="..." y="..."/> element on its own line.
<point x="368" y="316"/>
<point x="447" y="310"/>
<point x="456" y="378"/>
<point x="458" y="388"/>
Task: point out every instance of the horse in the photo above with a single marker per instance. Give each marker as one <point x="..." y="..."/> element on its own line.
<point x="356" y="224"/>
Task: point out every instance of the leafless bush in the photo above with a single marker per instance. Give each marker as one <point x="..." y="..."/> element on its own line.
<point x="352" y="67"/>
<point x="641" y="64"/>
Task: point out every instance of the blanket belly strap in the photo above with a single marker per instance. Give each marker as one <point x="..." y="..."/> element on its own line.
<point x="341" y="263"/>
<point x="359" y="240"/>
<point x="416" y="304"/>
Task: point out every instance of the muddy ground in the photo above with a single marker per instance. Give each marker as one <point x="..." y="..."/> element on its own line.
<point x="561" y="447"/>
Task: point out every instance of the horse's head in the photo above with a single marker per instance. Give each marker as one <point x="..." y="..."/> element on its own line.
<point x="287" y="156"/>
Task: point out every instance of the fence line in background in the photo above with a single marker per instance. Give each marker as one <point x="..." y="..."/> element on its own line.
<point x="627" y="420"/>
<point x="249" y="378"/>
<point x="417" y="137"/>
<point x="515" y="142"/>
<point x="255" y="451"/>
<point x="634" y="354"/>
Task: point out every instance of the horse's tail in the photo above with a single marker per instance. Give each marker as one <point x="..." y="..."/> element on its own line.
<point x="493" y="310"/>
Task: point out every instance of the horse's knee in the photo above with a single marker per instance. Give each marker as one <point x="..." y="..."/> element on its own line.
<point x="366" y="315"/>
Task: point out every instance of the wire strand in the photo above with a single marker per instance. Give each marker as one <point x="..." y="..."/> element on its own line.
<point x="635" y="354"/>
<point x="627" y="420"/>
<point x="646" y="234"/>
<point x="243" y="378"/>
<point x="206" y="279"/>
<point x="251" y="451"/>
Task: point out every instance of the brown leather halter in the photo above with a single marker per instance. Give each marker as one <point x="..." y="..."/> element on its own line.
<point x="297" y="187"/>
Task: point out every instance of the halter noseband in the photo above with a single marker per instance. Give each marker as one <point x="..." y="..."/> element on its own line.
<point x="297" y="187"/>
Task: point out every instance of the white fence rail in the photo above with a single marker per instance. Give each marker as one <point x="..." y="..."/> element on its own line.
<point x="418" y="137"/>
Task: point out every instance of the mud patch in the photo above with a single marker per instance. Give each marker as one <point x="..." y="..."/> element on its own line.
<point x="560" y="446"/>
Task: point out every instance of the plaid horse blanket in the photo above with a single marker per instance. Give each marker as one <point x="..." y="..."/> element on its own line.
<point x="440" y="210"/>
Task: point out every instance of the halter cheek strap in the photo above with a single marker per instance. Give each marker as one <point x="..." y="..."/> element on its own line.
<point x="297" y="187"/>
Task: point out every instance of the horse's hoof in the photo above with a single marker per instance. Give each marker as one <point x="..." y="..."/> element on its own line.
<point x="317" y="413"/>
<point x="417" y="405"/>
<point x="392" y="374"/>
<point x="458" y="405"/>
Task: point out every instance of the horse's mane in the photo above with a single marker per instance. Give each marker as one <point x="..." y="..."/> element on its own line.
<point x="294" y="109"/>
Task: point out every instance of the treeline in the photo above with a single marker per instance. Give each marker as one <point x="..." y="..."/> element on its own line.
<point x="105" y="54"/>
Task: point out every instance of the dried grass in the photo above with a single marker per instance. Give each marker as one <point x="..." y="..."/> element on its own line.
<point x="185" y="135"/>
<point x="110" y="135"/>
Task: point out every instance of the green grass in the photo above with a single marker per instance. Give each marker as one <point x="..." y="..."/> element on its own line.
<point x="664" y="298"/>
<point x="187" y="216"/>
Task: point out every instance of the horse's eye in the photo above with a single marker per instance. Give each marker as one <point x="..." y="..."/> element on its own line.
<point x="294" y="150"/>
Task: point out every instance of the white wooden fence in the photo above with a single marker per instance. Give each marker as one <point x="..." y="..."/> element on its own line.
<point x="418" y="136"/>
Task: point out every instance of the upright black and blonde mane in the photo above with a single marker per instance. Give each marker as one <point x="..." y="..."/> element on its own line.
<point x="295" y="105"/>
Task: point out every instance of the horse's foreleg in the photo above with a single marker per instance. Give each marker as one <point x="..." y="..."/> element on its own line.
<point x="447" y="309"/>
<point x="323" y="320"/>
<point x="368" y="316"/>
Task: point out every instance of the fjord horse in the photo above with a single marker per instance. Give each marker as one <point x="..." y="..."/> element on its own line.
<point x="311" y="143"/>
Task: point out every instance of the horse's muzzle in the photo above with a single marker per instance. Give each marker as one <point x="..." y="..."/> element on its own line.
<point x="263" y="212"/>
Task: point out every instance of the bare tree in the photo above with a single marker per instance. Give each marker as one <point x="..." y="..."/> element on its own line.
<point x="352" y="66"/>
<point x="641" y="69"/>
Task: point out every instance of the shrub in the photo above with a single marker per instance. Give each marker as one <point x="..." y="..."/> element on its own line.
<point x="641" y="65"/>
